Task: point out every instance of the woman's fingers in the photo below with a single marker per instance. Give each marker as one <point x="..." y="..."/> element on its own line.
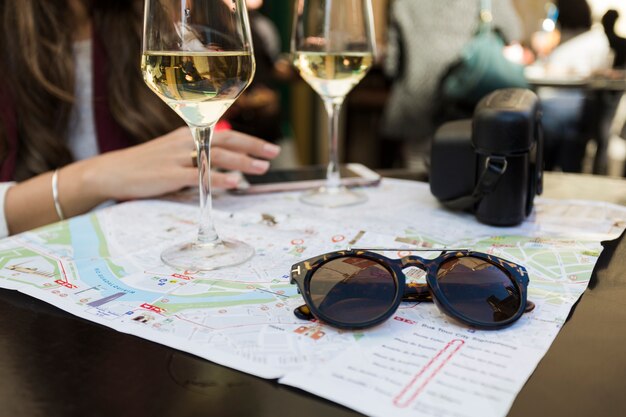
<point x="226" y="159"/>
<point x="165" y="164"/>
<point x="231" y="150"/>
<point x="223" y="180"/>
<point x="240" y="142"/>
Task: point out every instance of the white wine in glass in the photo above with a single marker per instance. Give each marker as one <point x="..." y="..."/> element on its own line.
<point x="333" y="75"/>
<point x="182" y="82"/>
<point x="198" y="58"/>
<point x="333" y="47"/>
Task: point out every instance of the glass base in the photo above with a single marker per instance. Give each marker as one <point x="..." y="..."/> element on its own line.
<point x="333" y="197"/>
<point x="206" y="257"/>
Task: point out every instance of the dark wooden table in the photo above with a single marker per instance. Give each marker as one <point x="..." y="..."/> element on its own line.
<point x="54" y="364"/>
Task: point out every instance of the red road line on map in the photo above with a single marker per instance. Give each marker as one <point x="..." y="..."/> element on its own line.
<point x="63" y="270"/>
<point x="193" y="322"/>
<point x="399" y="401"/>
<point x="256" y="324"/>
<point x="48" y="255"/>
<point x="410" y="307"/>
<point x="217" y="280"/>
<point x="232" y="327"/>
<point x="37" y="250"/>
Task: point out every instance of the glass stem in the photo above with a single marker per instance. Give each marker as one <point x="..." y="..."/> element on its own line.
<point x="202" y="137"/>
<point x="333" y="176"/>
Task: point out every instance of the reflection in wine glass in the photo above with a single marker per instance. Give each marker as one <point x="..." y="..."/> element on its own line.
<point x="197" y="57"/>
<point x="333" y="46"/>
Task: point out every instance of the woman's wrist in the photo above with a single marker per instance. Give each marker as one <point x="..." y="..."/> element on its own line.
<point x="80" y="187"/>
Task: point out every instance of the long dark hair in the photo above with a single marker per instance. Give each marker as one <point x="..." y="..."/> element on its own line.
<point x="574" y="14"/>
<point x="38" y="73"/>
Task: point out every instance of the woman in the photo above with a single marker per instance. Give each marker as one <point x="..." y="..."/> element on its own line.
<point x="425" y="38"/>
<point x="69" y="92"/>
<point x="570" y="115"/>
<point x="618" y="44"/>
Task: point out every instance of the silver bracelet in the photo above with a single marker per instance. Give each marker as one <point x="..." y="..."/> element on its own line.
<point x="55" y="194"/>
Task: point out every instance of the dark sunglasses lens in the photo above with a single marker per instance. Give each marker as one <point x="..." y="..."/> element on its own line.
<point x="352" y="290"/>
<point x="478" y="289"/>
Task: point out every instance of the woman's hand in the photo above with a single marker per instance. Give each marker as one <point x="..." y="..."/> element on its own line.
<point x="160" y="166"/>
<point x="151" y="169"/>
<point x="165" y="165"/>
<point x="237" y="151"/>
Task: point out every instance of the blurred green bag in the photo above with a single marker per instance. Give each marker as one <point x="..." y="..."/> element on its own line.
<point x="482" y="67"/>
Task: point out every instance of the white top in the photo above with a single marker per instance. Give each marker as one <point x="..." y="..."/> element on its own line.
<point x="81" y="140"/>
<point x="582" y="54"/>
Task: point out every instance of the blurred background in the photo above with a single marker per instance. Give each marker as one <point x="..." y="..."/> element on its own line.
<point x="584" y="120"/>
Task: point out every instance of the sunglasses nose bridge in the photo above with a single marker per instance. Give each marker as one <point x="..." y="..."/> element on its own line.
<point x="408" y="261"/>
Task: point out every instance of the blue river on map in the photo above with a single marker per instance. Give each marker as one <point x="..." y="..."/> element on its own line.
<point x="95" y="272"/>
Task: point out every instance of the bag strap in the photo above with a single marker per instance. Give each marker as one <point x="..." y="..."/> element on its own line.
<point x="495" y="167"/>
<point x="485" y="15"/>
<point x="485" y="7"/>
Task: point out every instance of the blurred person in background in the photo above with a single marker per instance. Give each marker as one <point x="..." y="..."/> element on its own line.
<point x="569" y="113"/>
<point x="258" y="112"/>
<point x="425" y="37"/>
<point x="583" y="46"/>
<point x="547" y="36"/>
<point x="67" y="105"/>
<point x="618" y="44"/>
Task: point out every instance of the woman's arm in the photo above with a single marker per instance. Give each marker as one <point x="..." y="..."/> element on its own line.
<point x="151" y="169"/>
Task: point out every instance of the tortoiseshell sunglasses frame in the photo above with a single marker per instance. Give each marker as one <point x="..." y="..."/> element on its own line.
<point x="302" y="272"/>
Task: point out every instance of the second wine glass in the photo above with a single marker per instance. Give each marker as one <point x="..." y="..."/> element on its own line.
<point x="333" y="47"/>
<point x="198" y="58"/>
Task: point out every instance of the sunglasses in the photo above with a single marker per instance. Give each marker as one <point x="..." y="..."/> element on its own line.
<point x="359" y="288"/>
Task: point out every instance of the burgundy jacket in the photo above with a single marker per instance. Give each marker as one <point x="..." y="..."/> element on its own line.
<point x="110" y="134"/>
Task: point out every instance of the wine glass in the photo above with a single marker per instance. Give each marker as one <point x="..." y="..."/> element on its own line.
<point x="198" y="58"/>
<point x="333" y="47"/>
